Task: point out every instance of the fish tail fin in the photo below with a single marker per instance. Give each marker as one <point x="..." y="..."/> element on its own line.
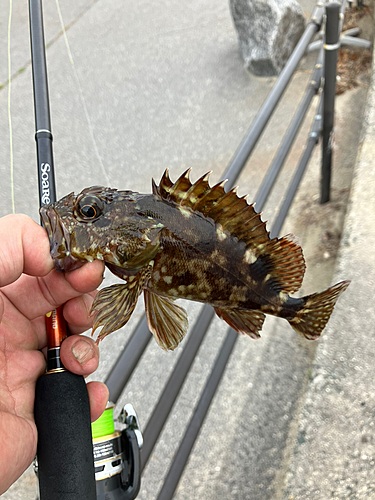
<point x="312" y="318"/>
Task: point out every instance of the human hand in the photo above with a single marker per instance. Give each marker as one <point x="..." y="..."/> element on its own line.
<point x="30" y="288"/>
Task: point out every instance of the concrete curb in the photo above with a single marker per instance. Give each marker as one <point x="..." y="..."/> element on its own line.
<point x="335" y="452"/>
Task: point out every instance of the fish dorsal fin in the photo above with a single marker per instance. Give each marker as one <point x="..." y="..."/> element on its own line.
<point x="280" y="262"/>
<point x="169" y="191"/>
<point x="233" y="213"/>
<point x="166" y="321"/>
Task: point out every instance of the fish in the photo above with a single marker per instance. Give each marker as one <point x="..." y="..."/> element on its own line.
<point x="184" y="241"/>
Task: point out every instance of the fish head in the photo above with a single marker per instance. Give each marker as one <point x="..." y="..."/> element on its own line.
<point x="99" y="223"/>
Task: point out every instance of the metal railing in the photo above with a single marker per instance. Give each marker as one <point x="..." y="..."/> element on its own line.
<point x="325" y="71"/>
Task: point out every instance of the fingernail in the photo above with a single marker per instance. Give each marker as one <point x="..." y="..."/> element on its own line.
<point x="83" y="351"/>
<point x="87" y="300"/>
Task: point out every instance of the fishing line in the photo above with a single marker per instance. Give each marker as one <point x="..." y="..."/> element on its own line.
<point x="9" y="111"/>
<point x="81" y="95"/>
<point x="104" y="425"/>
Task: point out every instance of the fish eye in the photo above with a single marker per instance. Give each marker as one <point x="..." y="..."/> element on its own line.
<point x="89" y="208"/>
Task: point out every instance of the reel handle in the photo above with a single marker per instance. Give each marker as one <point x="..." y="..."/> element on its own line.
<point x="132" y="452"/>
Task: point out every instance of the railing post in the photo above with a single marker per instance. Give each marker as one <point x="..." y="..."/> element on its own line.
<point x="331" y="47"/>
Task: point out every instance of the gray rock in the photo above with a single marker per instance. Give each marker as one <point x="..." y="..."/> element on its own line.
<point x="268" y="31"/>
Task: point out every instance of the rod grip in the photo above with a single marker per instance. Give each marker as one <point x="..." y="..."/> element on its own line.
<point x="65" y="453"/>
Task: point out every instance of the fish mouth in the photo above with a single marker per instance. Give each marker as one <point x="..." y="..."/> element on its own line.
<point x="59" y="241"/>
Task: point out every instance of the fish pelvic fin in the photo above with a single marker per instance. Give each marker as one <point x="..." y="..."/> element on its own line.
<point x="114" y="304"/>
<point x="167" y="321"/>
<point x="245" y="322"/>
<point x="312" y="318"/>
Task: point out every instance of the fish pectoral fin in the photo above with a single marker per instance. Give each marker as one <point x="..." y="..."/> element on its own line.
<point x="282" y="260"/>
<point x="166" y="321"/>
<point x="115" y="304"/>
<point x="246" y="322"/>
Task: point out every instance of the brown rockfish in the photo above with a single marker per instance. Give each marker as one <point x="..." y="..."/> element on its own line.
<point x="188" y="241"/>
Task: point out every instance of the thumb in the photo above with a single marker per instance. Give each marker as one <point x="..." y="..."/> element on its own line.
<point x="80" y="354"/>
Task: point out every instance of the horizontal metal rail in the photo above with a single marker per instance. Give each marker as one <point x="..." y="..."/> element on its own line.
<point x="174" y="384"/>
<point x="120" y="372"/>
<point x="297" y="178"/>
<point x="181" y="457"/>
<point x="195" y="424"/>
<point x="138" y="342"/>
<point x="128" y="360"/>
<point x="278" y="162"/>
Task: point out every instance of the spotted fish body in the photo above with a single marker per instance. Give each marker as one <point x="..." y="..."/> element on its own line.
<point x="189" y="241"/>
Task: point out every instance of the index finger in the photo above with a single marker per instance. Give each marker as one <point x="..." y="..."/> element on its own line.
<point x="34" y="297"/>
<point x="24" y="249"/>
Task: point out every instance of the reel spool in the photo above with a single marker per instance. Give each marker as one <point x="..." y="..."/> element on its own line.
<point x="117" y="455"/>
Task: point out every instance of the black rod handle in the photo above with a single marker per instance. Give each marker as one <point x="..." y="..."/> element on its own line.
<point x="65" y="454"/>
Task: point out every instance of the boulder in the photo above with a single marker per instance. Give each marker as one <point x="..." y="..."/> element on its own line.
<point x="268" y="31"/>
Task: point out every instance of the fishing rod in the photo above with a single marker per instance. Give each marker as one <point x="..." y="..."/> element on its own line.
<point x="67" y="449"/>
<point x="62" y="413"/>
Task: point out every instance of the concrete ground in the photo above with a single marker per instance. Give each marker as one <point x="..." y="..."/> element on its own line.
<point x="334" y="453"/>
<point x="151" y="88"/>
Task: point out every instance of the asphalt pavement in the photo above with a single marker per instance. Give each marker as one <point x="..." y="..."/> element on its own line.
<point x="145" y="87"/>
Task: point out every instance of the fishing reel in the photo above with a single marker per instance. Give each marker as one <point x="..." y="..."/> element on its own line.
<point x="117" y="455"/>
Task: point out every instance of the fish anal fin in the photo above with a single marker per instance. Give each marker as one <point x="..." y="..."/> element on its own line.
<point x="312" y="318"/>
<point x="283" y="261"/>
<point x="166" y="321"/>
<point x="114" y="304"/>
<point x="246" y="322"/>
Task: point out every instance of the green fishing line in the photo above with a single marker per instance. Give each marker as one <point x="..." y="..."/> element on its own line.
<point x="104" y="426"/>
